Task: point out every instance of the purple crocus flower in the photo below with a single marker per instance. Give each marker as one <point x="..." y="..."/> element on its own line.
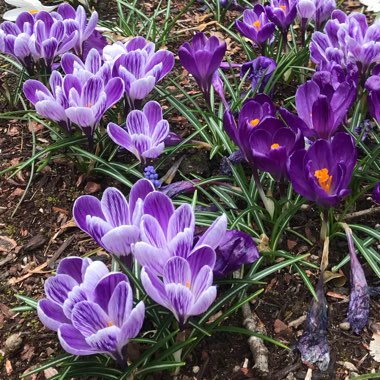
<point x="113" y="222"/>
<point x="166" y="232"/>
<point x="305" y="12"/>
<point x="256" y="26"/>
<point x="202" y="58"/>
<point x="271" y="144"/>
<point x="322" y="104"/>
<point x="144" y="133"/>
<point x="235" y="249"/>
<point x="373" y="87"/>
<point x="376" y="193"/>
<point x="347" y="39"/>
<point x="90" y="308"/>
<point x="323" y="10"/>
<point x="185" y="288"/>
<point x="258" y="71"/>
<point x="282" y="13"/>
<point x="358" y="308"/>
<point x="323" y="173"/>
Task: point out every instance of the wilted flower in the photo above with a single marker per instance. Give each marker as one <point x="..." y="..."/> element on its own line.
<point x="113" y="222"/>
<point x="313" y="344"/>
<point x="255" y="25"/>
<point x="358" y="308"/>
<point x="373" y="87"/>
<point x="235" y="249"/>
<point x="282" y="13"/>
<point x="202" y="58"/>
<point x="322" y="104"/>
<point x="376" y="193"/>
<point x="166" y="232"/>
<point x="347" y="39"/>
<point x="29" y="6"/>
<point x="322" y="173"/>
<point x="186" y="286"/>
<point x="90" y="308"/>
<point x="144" y="133"/>
<point x="259" y="72"/>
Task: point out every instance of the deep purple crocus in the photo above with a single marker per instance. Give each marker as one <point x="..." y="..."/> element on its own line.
<point x="144" y="133"/>
<point x="235" y="249"/>
<point x="202" y="57"/>
<point x="90" y="308"/>
<point x="322" y="173"/>
<point x="256" y="26"/>
<point x="168" y="232"/>
<point x="258" y="71"/>
<point x="376" y="193"/>
<point x="322" y="105"/>
<point x="185" y="288"/>
<point x="113" y="222"/>
<point x="282" y="13"/>
<point x="373" y="87"/>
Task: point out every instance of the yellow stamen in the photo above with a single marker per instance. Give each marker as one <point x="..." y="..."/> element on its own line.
<point x="324" y="179"/>
<point x="187" y="284"/>
<point x="283" y="7"/>
<point x="89" y="105"/>
<point x="33" y="11"/>
<point x="254" y="122"/>
<point x="257" y="24"/>
<point x="110" y="323"/>
<point x="275" y="146"/>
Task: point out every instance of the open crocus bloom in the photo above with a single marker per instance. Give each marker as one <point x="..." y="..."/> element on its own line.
<point x="186" y="285"/>
<point x="30" y="6"/>
<point x="113" y="222"/>
<point x="282" y="13"/>
<point x="166" y="232"/>
<point x="323" y="173"/>
<point x="144" y="133"/>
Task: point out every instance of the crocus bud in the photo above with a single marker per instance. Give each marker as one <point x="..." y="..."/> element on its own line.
<point x="376" y="193"/>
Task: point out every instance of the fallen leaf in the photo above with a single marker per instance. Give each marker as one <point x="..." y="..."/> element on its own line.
<point x="92" y="187"/>
<point x="279" y="326"/>
<point x="374" y="347"/>
<point x="8" y="367"/>
<point x="27" y="352"/>
<point x="50" y="372"/>
<point x="7" y="244"/>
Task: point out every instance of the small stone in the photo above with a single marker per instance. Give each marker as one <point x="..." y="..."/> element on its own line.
<point x="13" y="343"/>
<point x="196" y="369"/>
<point x="345" y="326"/>
<point x="349" y="366"/>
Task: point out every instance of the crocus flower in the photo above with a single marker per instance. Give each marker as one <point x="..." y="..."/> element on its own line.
<point x="202" y="58"/>
<point x="347" y="39"/>
<point x="113" y="222"/>
<point x="255" y="25"/>
<point x="144" y="133"/>
<point x="305" y="12"/>
<point x="358" y="308"/>
<point x="186" y="287"/>
<point x="90" y="308"/>
<point x="323" y="10"/>
<point x="376" y="193"/>
<point x="235" y="249"/>
<point x="271" y="143"/>
<point x="322" y="104"/>
<point x="166" y="232"/>
<point x="30" y="6"/>
<point x="259" y="72"/>
<point x="323" y="173"/>
<point x="282" y="13"/>
<point x="373" y="87"/>
<point x="313" y="344"/>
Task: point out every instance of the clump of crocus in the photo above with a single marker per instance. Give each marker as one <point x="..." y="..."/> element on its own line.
<point x="322" y="104"/>
<point x="235" y="249"/>
<point x="90" y="308"/>
<point x="113" y="222"/>
<point x="373" y="87"/>
<point x="202" y="57"/>
<point x="256" y="25"/>
<point x="358" y="308"/>
<point x="28" y="6"/>
<point x="258" y="71"/>
<point x="186" y="285"/>
<point x="139" y="66"/>
<point x="347" y="39"/>
<point x="376" y="193"/>
<point x="144" y="133"/>
<point x="323" y="172"/>
<point x="313" y="344"/>
<point x="282" y="13"/>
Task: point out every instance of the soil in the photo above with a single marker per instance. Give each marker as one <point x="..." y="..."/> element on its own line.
<point x="36" y="233"/>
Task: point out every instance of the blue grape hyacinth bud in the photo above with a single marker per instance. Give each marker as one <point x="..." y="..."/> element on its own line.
<point x="152" y="176"/>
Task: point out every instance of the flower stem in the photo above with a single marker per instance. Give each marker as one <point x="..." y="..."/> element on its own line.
<point x="268" y="203"/>
<point x="325" y="239"/>
<point x="181" y="336"/>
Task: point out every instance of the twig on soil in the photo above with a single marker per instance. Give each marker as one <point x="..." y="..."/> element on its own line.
<point x="259" y="351"/>
<point x="357" y="214"/>
<point x="284" y="372"/>
<point x="59" y="251"/>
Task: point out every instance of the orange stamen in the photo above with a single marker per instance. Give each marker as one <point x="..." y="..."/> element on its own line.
<point x="324" y="179"/>
<point x="110" y="323"/>
<point x="33" y="11"/>
<point x="283" y="7"/>
<point x="254" y="122"/>
<point x="275" y="146"/>
<point x="257" y="24"/>
<point x="187" y="284"/>
<point x="89" y="105"/>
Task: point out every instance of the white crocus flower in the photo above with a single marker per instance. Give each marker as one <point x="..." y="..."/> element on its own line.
<point x="31" y="6"/>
